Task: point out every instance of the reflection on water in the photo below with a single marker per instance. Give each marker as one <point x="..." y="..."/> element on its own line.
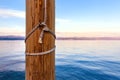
<point x="75" y="60"/>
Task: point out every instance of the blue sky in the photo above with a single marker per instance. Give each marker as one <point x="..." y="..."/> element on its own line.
<point x="81" y="16"/>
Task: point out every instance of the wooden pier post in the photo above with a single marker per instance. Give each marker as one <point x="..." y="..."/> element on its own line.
<point x="40" y="67"/>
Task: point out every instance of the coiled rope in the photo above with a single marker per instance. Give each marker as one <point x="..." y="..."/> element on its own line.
<point x="45" y="29"/>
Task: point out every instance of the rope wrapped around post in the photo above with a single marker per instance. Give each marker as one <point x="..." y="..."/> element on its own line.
<point x="45" y="29"/>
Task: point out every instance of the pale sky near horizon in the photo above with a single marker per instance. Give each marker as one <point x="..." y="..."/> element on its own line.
<point x="75" y="16"/>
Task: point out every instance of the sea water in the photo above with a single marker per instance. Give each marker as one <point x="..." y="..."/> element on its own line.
<point x="75" y="60"/>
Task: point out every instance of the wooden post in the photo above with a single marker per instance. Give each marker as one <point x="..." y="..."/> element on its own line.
<point x="41" y="67"/>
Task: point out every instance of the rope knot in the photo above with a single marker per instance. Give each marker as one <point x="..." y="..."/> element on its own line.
<point x="42" y="24"/>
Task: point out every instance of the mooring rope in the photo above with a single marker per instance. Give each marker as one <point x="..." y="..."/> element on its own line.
<point x="45" y="29"/>
<point x="41" y="53"/>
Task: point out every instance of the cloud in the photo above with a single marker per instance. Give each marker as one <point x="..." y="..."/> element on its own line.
<point x="12" y="13"/>
<point x="66" y="25"/>
<point x="17" y="30"/>
<point x="88" y="34"/>
<point x="59" y="20"/>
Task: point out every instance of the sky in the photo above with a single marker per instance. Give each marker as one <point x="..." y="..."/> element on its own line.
<point x="73" y="17"/>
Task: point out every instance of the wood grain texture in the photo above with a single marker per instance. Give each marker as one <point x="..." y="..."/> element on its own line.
<point x="40" y="67"/>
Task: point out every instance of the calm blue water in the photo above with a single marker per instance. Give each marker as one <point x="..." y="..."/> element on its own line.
<point x="75" y="60"/>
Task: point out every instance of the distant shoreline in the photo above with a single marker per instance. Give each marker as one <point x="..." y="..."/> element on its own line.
<point x="62" y="38"/>
<point x="89" y="38"/>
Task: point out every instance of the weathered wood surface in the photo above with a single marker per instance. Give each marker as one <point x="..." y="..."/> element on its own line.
<point x="40" y="67"/>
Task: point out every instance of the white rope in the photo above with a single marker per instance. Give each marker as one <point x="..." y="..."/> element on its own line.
<point x="41" y="53"/>
<point x="45" y="29"/>
<point x="35" y="28"/>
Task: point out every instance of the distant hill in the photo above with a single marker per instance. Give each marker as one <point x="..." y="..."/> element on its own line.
<point x="11" y="38"/>
<point x="88" y="38"/>
<point x="62" y="38"/>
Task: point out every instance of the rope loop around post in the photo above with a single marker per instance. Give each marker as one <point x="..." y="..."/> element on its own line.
<point x="41" y="53"/>
<point x="45" y="29"/>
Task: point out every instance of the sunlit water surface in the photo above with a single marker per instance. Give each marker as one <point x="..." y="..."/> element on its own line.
<point x="75" y="60"/>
